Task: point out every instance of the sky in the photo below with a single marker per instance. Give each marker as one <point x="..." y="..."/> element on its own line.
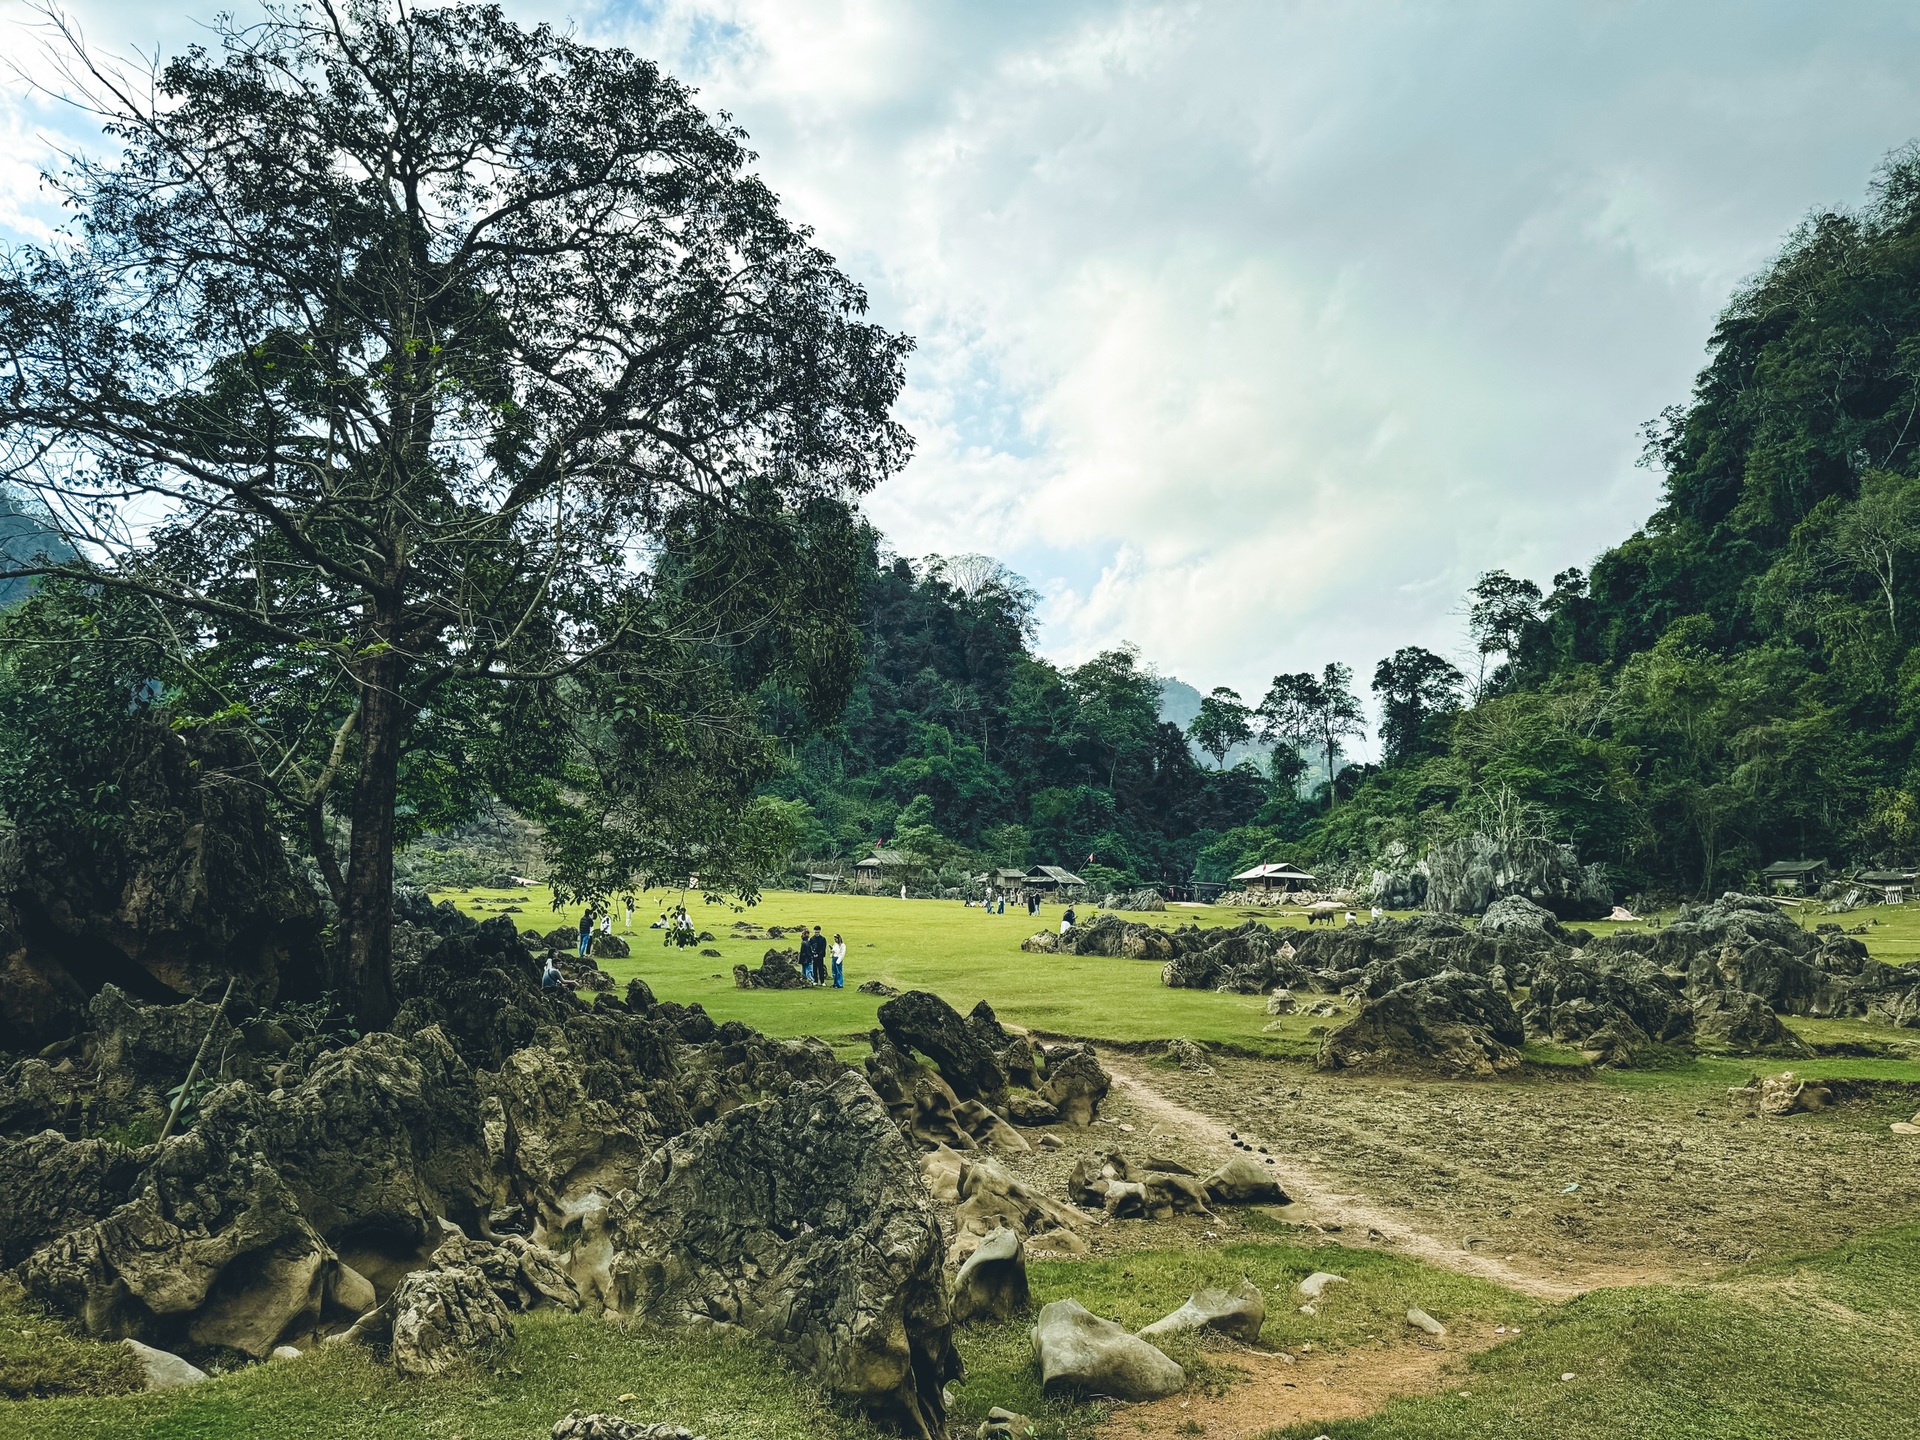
<point x="1252" y="334"/>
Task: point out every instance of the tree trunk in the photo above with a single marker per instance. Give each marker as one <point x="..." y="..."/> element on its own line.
<point x="369" y="908"/>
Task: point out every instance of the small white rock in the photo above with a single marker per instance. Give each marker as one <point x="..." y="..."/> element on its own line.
<point x="1566" y="1375"/>
<point x="285" y="1352"/>
<point x="1420" y="1320"/>
<point x="1316" y="1283"/>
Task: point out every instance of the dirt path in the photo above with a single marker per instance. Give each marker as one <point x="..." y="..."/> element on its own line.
<point x="1278" y="1392"/>
<point x="1319" y="1199"/>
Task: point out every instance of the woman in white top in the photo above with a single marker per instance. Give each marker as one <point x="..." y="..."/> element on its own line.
<point x="839" y="963"/>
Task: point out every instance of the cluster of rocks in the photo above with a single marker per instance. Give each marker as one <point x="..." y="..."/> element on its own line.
<point x="1144" y="899"/>
<point x="500" y="1148"/>
<point x="1161" y="1188"/>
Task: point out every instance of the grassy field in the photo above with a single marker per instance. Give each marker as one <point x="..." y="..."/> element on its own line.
<point x="965" y="955"/>
<point x="1823" y="1347"/>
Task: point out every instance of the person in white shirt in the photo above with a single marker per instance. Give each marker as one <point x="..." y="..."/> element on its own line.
<point x="839" y="963"/>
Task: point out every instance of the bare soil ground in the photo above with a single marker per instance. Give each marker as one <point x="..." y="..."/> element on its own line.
<point x="1549" y="1186"/>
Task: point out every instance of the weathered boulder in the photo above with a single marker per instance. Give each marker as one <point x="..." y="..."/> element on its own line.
<point x="802" y="1220"/>
<point x="475" y="981"/>
<point x="992" y="1282"/>
<point x="1249" y="959"/>
<point x="524" y="1275"/>
<point x="1516" y="914"/>
<point x="1244" y="1181"/>
<point x="607" y="946"/>
<point x="1079" y="1353"/>
<point x="1744" y="1023"/>
<point x="777" y="970"/>
<point x="1237" y="1313"/>
<point x="1004" y="1424"/>
<point x="923" y="1022"/>
<point x="162" y="1369"/>
<point x="1790" y="1094"/>
<point x="1015" y="1053"/>
<point x="445" y="1318"/>
<point x="211" y="1241"/>
<point x="1041" y="942"/>
<point x="1076" y="1083"/>
<point x="50" y="1185"/>
<point x="1451" y="1023"/>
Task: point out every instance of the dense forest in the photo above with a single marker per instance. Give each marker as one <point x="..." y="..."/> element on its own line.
<point x="1734" y="683"/>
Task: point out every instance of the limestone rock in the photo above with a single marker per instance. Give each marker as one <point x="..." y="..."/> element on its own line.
<point x="605" y="946"/>
<point x="1452" y="1023"/>
<point x="577" y="1426"/>
<point x="923" y="1022"/>
<point x="1425" y="1323"/>
<point x="1243" y="1181"/>
<point x="1281" y="1002"/>
<point x="1079" y="1353"/>
<point x="1238" y="1313"/>
<point x="777" y="970"/>
<point x="1041" y="942"/>
<point x="1076" y="1083"/>
<point x="802" y="1220"/>
<point x="1744" y="1023"/>
<point x="986" y="1198"/>
<point x="444" y="1318"/>
<point x="992" y="1283"/>
<point x="1002" y="1424"/>
<point x="1789" y="1094"/>
<point x="1610" y="1004"/>
<point x="1315" y="1285"/>
<point x="522" y="1274"/>
<point x="162" y="1368"/>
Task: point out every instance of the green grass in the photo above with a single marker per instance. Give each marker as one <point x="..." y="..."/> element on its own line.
<point x="961" y="954"/>
<point x="556" y="1363"/>
<point x="1823" y="1347"/>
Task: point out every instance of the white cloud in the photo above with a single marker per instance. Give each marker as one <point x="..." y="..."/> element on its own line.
<point x="1253" y="332"/>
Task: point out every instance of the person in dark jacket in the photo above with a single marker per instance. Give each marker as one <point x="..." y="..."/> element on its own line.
<point x="586" y="933"/>
<point x="806" y="954"/>
<point x="819" y="943"/>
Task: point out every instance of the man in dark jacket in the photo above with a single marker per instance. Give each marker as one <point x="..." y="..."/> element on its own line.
<point x="817" y="955"/>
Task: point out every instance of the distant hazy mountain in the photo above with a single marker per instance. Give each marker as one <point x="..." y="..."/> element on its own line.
<point x="1179" y="703"/>
<point x="24" y="539"/>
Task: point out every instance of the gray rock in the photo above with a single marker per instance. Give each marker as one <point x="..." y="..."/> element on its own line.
<point x="350" y="1291"/>
<point x="284" y="1352"/>
<point x="922" y="1022"/>
<point x="1420" y="1320"/>
<point x="1452" y="1023"/>
<point x="577" y="1426"/>
<point x="1079" y="1353"/>
<point x="445" y="1318"/>
<point x="802" y="1220"/>
<point x="162" y="1368"/>
<point x="1743" y="1022"/>
<point x="1238" y="1313"/>
<point x="1003" y="1424"/>
<point x="1516" y="914"/>
<point x="992" y="1283"/>
<point x="1315" y="1285"/>
<point x="1076" y="1083"/>
<point x="1244" y="1181"/>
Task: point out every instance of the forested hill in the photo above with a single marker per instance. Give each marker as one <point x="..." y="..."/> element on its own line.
<point x="963" y="746"/>
<point x="1733" y="684"/>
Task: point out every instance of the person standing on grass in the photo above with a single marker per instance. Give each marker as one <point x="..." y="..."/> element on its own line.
<point x="629" y="914"/>
<point x="903" y="891"/>
<point x="839" y="963"/>
<point x="586" y="932"/>
<point x="806" y="954"/>
<point x="820" y="955"/>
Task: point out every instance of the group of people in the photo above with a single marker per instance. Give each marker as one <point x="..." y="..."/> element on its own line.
<point x="815" y="955"/>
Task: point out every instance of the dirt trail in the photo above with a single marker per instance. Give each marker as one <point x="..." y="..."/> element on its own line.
<point x="1318" y="1198"/>
<point x="1278" y="1392"/>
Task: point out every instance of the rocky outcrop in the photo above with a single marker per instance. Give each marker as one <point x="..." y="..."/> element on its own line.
<point x="1243" y="1180"/>
<point x="444" y="1318"/>
<point x="1079" y="1353"/>
<point x="1466" y="875"/>
<point x="1453" y="1023"/>
<point x="1248" y="959"/>
<point x="802" y="1221"/>
<point x="1743" y="1023"/>
<point x="577" y="1426"/>
<point x="191" y="887"/>
<point x="986" y="1199"/>
<point x="1611" y="1005"/>
<point x="923" y="1022"/>
<point x="1076" y="1083"/>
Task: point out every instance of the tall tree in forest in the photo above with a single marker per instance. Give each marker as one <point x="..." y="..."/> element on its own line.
<point x="1336" y="716"/>
<point x="467" y="414"/>
<point x="1413" y="685"/>
<point x="1499" y="611"/>
<point x="1222" y="723"/>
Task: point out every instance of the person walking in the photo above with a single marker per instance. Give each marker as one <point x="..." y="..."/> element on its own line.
<point x="586" y="932"/>
<point x="839" y="963"/>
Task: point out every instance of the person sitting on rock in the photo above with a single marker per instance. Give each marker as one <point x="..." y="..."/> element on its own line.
<point x="551" y="978"/>
<point x="1066" y="920"/>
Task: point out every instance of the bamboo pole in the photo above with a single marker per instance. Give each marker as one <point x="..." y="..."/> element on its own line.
<point x="193" y="1070"/>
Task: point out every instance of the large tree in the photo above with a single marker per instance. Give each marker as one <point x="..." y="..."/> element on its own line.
<point x="1413" y="685"/>
<point x="467" y="415"/>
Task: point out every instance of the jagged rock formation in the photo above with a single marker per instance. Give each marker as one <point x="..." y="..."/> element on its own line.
<point x="193" y="887"/>
<point x="800" y="1220"/>
<point x="504" y="1147"/>
<point x="1465" y="876"/>
<point x="777" y="970"/>
<point x="992" y="1281"/>
<point x="923" y="1022"/>
<point x="1452" y="1023"/>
